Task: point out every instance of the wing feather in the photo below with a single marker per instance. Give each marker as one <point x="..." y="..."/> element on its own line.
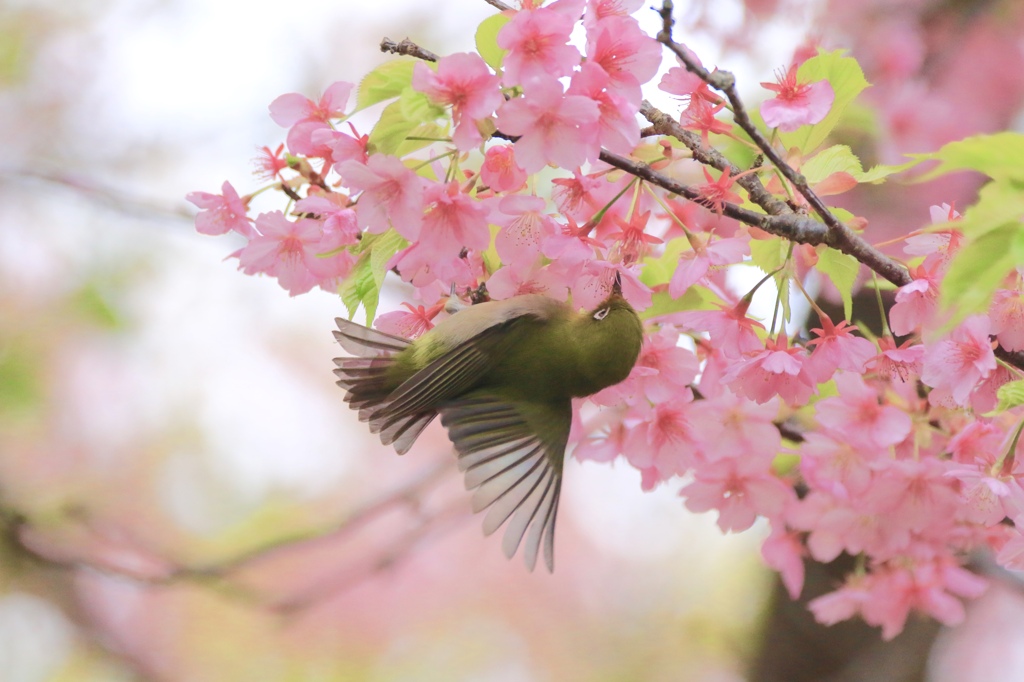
<point x="515" y="473"/>
<point x="365" y="342"/>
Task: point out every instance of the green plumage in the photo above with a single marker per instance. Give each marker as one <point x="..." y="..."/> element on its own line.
<point x="501" y="375"/>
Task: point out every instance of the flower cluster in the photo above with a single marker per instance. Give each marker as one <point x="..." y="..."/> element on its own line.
<point x="888" y="448"/>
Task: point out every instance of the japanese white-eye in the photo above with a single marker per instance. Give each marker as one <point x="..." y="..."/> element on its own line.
<point x="502" y="375"/>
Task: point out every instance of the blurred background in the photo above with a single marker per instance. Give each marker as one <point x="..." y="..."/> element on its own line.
<point x="185" y="497"/>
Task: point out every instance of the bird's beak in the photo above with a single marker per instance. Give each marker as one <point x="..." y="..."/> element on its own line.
<point x="617" y="284"/>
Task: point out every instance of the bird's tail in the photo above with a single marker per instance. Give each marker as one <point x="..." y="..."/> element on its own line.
<point x="369" y="383"/>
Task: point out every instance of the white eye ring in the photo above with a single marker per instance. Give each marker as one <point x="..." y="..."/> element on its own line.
<point x="601" y="314"/>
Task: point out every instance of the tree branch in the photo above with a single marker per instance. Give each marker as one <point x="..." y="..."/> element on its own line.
<point x="407" y="47"/>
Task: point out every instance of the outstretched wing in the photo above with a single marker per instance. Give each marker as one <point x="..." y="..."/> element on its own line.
<point x="364" y="342"/>
<point x="368" y="382"/>
<point x="397" y="408"/>
<point x="516" y="472"/>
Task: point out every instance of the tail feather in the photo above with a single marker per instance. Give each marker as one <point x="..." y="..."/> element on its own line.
<point x="369" y="384"/>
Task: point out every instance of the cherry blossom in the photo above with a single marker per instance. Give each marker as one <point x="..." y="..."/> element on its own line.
<point x="391" y="194"/>
<point x="500" y="170"/>
<point x="221" y="213"/>
<point x="538" y="47"/>
<point x="960" y="362"/>
<point x="553" y="127"/>
<point x="464" y="83"/>
<point x="796" y="104"/>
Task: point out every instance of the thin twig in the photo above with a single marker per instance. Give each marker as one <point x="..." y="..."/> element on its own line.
<point x="407" y="47"/>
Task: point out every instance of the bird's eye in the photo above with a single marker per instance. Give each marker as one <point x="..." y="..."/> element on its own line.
<point x="601" y="314"/>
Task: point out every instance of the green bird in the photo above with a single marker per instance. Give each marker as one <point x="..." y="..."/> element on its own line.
<point x="502" y="375"/>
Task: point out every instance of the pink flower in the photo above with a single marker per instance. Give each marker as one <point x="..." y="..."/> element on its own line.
<point x="728" y="425"/>
<point x="600" y="9"/>
<point x="915" y="303"/>
<point x="517" y="279"/>
<point x="221" y="213"/>
<point x="663" y="370"/>
<point x="537" y="43"/>
<point x="1007" y="314"/>
<point x="287" y="110"/>
<point x="269" y="163"/>
<point x="595" y="281"/>
<point x="464" y="83"/>
<point x="392" y="195"/>
<point x="681" y="82"/>
<point x="660" y="437"/>
<point x="740" y="488"/>
<point x="702" y="117"/>
<point x="776" y="370"/>
<point x="454" y="222"/>
<point x="411" y="324"/>
<point x="632" y="240"/>
<point x="289" y="251"/>
<point x="961" y="361"/>
<point x="342" y="146"/>
<point x="836" y="467"/>
<point x="836" y="525"/>
<point x="500" y="171"/>
<point x="552" y="127"/>
<point x="918" y="493"/>
<point x="716" y="193"/>
<point x="618" y="128"/>
<point x="857" y="416"/>
<point x="606" y="440"/>
<point x="708" y="252"/>
<point x="903" y="362"/>
<point x="524" y="227"/>
<point x="730" y="329"/>
<point x="837" y="348"/>
<point x="984" y="497"/>
<point x="422" y="266"/>
<point x="304" y="117"/>
<point x="625" y="53"/>
<point x="339" y="223"/>
<point x="796" y="104"/>
<point x="784" y="552"/>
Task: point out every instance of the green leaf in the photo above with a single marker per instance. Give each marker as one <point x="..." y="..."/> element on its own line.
<point x="487" y="40"/>
<point x="383" y="249"/>
<point x="694" y="298"/>
<point x="1010" y="395"/>
<point x="997" y="156"/>
<point x="421" y="136"/>
<point x="999" y="202"/>
<point x="359" y="289"/>
<point x="387" y="81"/>
<point x="658" y="271"/>
<point x="878" y="173"/>
<point x="842" y="270"/>
<point x="836" y="159"/>
<point x="847" y="80"/>
<point x="768" y="254"/>
<point x="978" y="269"/>
<point x="363" y="284"/>
<point x="400" y="118"/>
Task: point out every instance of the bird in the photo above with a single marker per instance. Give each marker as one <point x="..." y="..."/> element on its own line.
<point x="502" y="375"/>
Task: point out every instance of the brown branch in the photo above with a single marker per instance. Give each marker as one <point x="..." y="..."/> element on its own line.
<point x="839" y="236"/>
<point x="663" y="124"/>
<point x="19" y="529"/>
<point x="407" y="47"/>
<point x="791" y="226"/>
<point x="499" y="5"/>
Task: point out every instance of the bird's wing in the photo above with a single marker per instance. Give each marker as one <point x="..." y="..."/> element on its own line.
<point x="365" y="342"/>
<point x="516" y="473"/>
